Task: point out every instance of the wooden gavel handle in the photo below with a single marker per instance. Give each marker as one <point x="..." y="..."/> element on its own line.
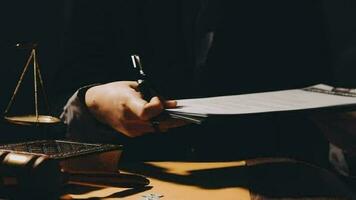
<point x="107" y="179"/>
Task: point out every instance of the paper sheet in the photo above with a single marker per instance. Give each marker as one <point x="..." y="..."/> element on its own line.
<point x="285" y="100"/>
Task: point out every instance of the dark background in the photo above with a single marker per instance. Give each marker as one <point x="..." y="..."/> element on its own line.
<point x="44" y="21"/>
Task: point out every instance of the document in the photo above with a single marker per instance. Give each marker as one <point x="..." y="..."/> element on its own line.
<point x="314" y="97"/>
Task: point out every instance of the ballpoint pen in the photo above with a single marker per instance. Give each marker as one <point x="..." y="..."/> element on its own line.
<point x="144" y="85"/>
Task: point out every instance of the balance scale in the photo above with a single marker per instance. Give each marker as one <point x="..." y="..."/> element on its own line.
<point x="36" y="118"/>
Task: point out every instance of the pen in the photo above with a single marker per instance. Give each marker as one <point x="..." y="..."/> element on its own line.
<point x="144" y="85"/>
<point x="148" y="91"/>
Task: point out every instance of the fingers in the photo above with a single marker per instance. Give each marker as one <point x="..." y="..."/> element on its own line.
<point x="145" y="110"/>
<point x="170" y="104"/>
<point x="153" y="108"/>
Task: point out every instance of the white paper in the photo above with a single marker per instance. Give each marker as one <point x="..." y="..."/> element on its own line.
<point x="284" y="100"/>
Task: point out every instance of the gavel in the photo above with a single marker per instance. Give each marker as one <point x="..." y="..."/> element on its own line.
<point x="36" y="174"/>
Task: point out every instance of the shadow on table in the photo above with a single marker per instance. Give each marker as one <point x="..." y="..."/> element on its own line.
<point x="265" y="179"/>
<point x="82" y="189"/>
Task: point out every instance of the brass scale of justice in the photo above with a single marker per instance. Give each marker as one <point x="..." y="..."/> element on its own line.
<point x="36" y="118"/>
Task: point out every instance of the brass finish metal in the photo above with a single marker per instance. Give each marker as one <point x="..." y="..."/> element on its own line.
<point x="36" y="118"/>
<point x="32" y="119"/>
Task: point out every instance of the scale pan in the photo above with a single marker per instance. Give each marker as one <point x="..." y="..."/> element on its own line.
<point x="32" y="119"/>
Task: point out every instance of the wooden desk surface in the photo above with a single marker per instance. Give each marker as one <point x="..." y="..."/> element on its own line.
<point x="223" y="180"/>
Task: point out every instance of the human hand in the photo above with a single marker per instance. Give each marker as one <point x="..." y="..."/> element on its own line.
<point x="121" y="106"/>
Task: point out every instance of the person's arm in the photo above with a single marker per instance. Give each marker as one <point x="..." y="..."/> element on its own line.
<point x="81" y="125"/>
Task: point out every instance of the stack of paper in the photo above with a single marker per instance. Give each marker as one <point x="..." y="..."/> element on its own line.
<point x="314" y="97"/>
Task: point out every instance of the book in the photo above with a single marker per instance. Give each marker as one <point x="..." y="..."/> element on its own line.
<point x="315" y="97"/>
<point x="72" y="156"/>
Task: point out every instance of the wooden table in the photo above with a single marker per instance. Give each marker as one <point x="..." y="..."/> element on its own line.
<point x="254" y="179"/>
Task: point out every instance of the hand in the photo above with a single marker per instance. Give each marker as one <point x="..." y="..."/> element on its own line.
<point x="121" y="106"/>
